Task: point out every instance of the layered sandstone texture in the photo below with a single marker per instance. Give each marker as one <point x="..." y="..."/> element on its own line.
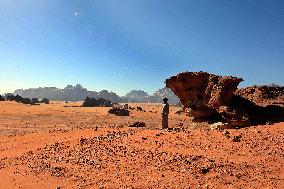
<point x="263" y="95"/>
<point x="211" y="97"/>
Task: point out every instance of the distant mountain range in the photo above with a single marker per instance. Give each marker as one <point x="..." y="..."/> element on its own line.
<point x="79" y="93"/>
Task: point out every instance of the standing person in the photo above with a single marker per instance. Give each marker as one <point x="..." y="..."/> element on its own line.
<point x="165" y="113"/>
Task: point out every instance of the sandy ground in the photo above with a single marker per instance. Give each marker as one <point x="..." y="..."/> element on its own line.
<point x="49" y="146"/>
<point x="21" y="119"/>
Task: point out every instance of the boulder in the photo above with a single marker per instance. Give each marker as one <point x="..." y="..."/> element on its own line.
<point x="218" y="125"/>
<point x="10" y="97"/>
<point x="44" y="100"/>
<point x="25" y="101"/>
<point x="20" y="99"/>
<point x="35" y="100"/>
<point x="92" y="102"/>
<point x="104" y="102"/>
<point x="89" y="102"/>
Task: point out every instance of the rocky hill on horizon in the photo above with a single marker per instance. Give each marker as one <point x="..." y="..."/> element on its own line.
<point x="79" y="93"/>
<point x="137" y="96"/>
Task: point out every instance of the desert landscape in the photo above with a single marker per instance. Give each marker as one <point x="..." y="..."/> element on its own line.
<point x="141" y="94"/>
<point x="65" y="145"/>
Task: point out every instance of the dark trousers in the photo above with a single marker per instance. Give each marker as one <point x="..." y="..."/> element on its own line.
<point x="165" y="121"/>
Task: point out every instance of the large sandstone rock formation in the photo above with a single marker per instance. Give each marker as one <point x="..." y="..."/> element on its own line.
<point x="211" y="97"/>
<point x="205" y="94"/>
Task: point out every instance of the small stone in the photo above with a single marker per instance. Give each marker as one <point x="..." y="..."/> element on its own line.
<point x="204" y="170"/>
<point x="138" y="124"/>
<point x="237" y="139"/>
<point x="218" y="125"/>
<point x="226" y="132"/>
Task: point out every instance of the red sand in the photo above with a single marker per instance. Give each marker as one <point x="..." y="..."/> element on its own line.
<point x="48" y="146"/>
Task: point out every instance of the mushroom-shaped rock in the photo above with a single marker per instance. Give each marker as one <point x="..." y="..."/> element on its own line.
<point x="210" y="97"/>
<point x="205" y="94"/>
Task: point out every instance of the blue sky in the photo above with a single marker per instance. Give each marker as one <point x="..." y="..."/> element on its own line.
<point x="121" y="45"/>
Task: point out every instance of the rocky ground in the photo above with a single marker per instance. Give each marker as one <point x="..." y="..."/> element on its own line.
<point x="61" y="145"/>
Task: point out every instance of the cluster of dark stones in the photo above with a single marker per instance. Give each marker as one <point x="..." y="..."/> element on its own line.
<point x="138" y="124"/>
<point x="139" y="108"/>
<point x="100" y="102"/>
<point x="20" y="99"/>
<point x="119" y="111"/>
